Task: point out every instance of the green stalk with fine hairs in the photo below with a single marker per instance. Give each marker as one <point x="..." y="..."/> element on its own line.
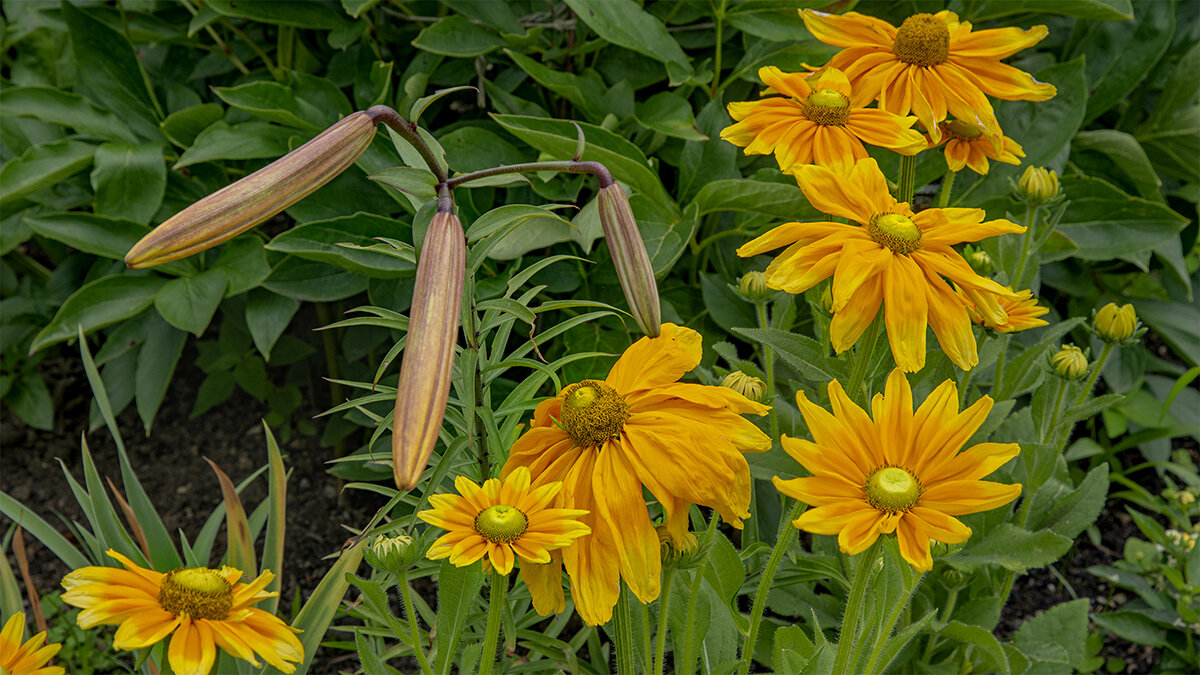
<point x="492" y="633"/>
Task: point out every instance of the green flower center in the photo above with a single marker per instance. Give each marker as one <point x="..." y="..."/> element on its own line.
<point x="963" y="131"/>
<point x="827" y="107"/>
<point x="891" y="488"/>
<point x="593" y="413"/>
<point x="922" y="40"/>
<point x="501" y="524"/>
<point x="197" y="592"/>
<point x="895" y="231"/>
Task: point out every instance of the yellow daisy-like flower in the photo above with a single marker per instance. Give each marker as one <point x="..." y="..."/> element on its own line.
<point x="891" y="257"/>
<point x="200" y="608"/>
<point x="1020" y="314"/>
<point x="503" y="521"/>
<point x="968" y="145"/>
<point x="932" y="65"/>
<point x="816" y="124"/>
<point x="639" y="428"/>
<point x="29" y="658"/>
<point x="900" y="472"/>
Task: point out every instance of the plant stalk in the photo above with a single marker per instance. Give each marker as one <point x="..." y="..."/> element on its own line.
<point x="411" y="613"/>
<point x="854" y="606"/>
<point x="768" y="366"/>
<point x="783" y="540"/>
<point x="908" y="176"/>
<point x="495" y="608"/>
<point x="566" y="166"/>
<point x="664" y="609"/>
<point x="943" y="199"/>
<point x="623" y="630"/>
<point x="862" y="357"/>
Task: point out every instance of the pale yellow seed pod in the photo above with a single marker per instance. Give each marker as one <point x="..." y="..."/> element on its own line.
<point x="425" y="372"/>
<point x="1038" y="185"/>
<point x="1116" y="324"/>
<point x="630" y="258"/>
<point x="1069" y="362"/>
<point x="236" y="208"/>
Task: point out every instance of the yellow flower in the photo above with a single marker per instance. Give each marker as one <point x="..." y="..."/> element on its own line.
<point x="968" y="145"/>
<point x="639" y="428"/>
<point x="932" y="65"/>
<point x="1020" y="314"/>
<point x="1116" y="324"/>
<point x="817" y="124"/>
<point x="1069" y="362"/>
<point x="29" y="658"/>
<point x="202" y="608"/>
<point x="503" y="521"/>
<point x="900" y="472"/>
<point x="891" y="257"/>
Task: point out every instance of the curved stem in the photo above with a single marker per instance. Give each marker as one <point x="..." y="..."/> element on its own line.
<point x="647" y="645"/>
<point x="854" y="605"/>
<point x="492" y="634"/>
<point x="908" y="176"/>
<point x="408" y="131"/>
<point x="664" y="609"/>
<point x="768" y="365"/>
<point x="783" y="540"/>
<point x="414" y="630"/>
<point x="943" y="199"/>
<point x="565" y="166"/>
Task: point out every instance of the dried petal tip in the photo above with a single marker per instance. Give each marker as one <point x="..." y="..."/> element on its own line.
<point x="425" y="372"/>
<point x="630" y="258"/>
<point x="236" y="208"/>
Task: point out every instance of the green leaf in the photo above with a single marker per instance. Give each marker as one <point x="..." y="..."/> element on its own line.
<point x="183" y="126"/>
<point x="63" y="549"/>
<point x="129" y="180"/>
<point x="155" y="366"/>
<point x="244" y="263"/>
<point x="274" y="102"/>
<point x="419" y="106"/>
<point x="499" y="15"/>
<point x="1120" y="55"/>
<point x="97" y="235"/>
<point x="110" y="73"/>
<point x="557" y="138"/>
<point x="321" y="241"/>
<point x="518" y="229"/>
<point x="624" y="23"/>
<point x="671" y="115"/>
<point x="1125" y="153"/>
<point x="580" y="90"/>
<point x="473" y="148"/>
<point x="801" y="352"/>
<point x="298" y="13"/>
<point x="189" y="302"/>
<point x="1099" y="10"/>
<point x="30" y="399"/>
<point x="724" y="570"/>
<point x="100" y="303"/>
<point x="995" y="659"/>
<point x="418" y="185"/>
<point x="1106" y="223"/>
<point x="267" y="316"/>
<point x="314" y="618"/>
<point x="665" y="237"/>
<point x="42" y="166"/>
<point x="457" y="591"/>
<point x="65" y="109"/>
<point x="1172" y="144"/>
<point x="1133" y="626"/>
<point x="1064" y="625"/>
<point x="248" y="140"/>
<point x="778" y="200"/>
<point x="455" y="35"/>
<point x="1069" y="515"/>
<point x="1176" y="323"/>
<point x="1013" y="548"/>
<point x="311" y="281"/>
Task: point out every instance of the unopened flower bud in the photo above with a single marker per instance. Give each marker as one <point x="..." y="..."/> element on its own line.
<point x="1038" y="185"/>
<point x="425" y="372"/>
<point x="392" y="553"/>
<point x="1115" y="324"/>
<point x="747" y="385"/>
<point x="680" y="553"/>
<point x="979" y="261"/>
<point x="827" y="299"/>
<point x="1069" y="362"/>
<point x="630" y="258"/>
<point x="754" y="286"/>
<point x="236" y="208"/>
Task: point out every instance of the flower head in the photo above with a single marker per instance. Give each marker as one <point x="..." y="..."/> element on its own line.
<point x="30" y="657"/>
<point x="817" y="123"/>
<point x="639" y="428"/>
<point x="747" y="385"/>
<point x="888" y="256"/>
<point x="1038" y="185"/>
<point x="502" y="520"/>
<point x="1069" y="362"/>
<point x="200" y="608"/>
<point x="969" y="145"/>
<point x="931" y="66"/>
<point x="895" y="471"/>
<point x="1116" y="324"/>
<point x="1020" y="314"/>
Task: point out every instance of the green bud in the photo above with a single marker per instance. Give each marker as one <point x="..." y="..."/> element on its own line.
<point x="754" y="286"/>
<point x="979" y="261"/>
<point x="1038" y="185"/>
<point x="392" y="553"/>
<point x="747" y="385"/>
<point x="1115" y="324"/>
<point x="1069" y="362"/>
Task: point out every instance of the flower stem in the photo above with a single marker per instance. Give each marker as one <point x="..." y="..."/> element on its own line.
<point x="1031" y="218"/>
<point x="683" y="657"/>
<point x="854" y="605"/>
<point x="565" y="166"/>
<point x="783" y="540"/>
<point x="908" y="176"/>
<point x="408" y="131"/>
<point x="492" y="634"/>
<point x="943" y="199"/>
<point x="862" y="357"/>
<point x="1091" y="381"/>
<point x="623" y="630"/>
<point x="998" y="377"/>
<point x="911" y="580"/>
<point x="664" y="609"/>
<point x="410" y="612"/>
<point x="768" y="366"/>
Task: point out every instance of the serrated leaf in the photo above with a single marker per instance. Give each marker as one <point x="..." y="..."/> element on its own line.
<point x="1013" y="548"/>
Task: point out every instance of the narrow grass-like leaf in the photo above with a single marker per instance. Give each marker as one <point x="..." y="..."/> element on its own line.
<point x="240" y="547"/>
<point x="277" y="518"/>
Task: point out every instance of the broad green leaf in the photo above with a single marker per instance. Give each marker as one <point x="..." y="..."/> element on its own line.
<point x="724" y="570"/>
<point x="1099" y="10"/>
<point x="558" y="138"/>
<point x="100" y="303"/>
<point x="1106" y="223"/>
<point x="1133" y="626"/>
<point x="1064" y="625"/>
<point x="1172" y="144"/>
<point x="458" y="591"/>
<point x="801" y="352"/>
<point x="580" y="90"/>
<point x="274" y="102"/>
<point x="1071" y="514"/>
<point x="267" y="316"/>
<point x="129" y="180"/>
<point x="665" y="237"/>
<point x="189" y="302"/>
<point x="42" y="166"/>
<point x="1180" y="89"/>
<point x="183" y="126"/>
<point x="244" y="263"/>
<point x="1013" y="548"/>
<point x="502" y="16"/>
<point x="1121" y="54"/>
<point x="30" y="399"/>
<point x="474" y="148"/>
<point x="110" y="73"/>
<point x="247" y="140"/>
<point x="312" y="281"/>
<point x="321" y="241"/>
<point x="624" y="23"/>
<point x="421" y="104"/>
<point x="778" y="200"/>
<point x="357" y="8"/>
<point x="155" y="366"/>
<point x="298" y="13"/>
<point x="989" y="647"/>
<point x="1124" y="152"/>
<point x="708" y="161"/>
<point x="455" y="35"/>
<point x="671" y="115"/>
<point x="418" y="185"/>
<point x="69" y="110"/>
<point x="519" y="229"/>
<point x="1176" y="323"/>
<point x="783" y="25"/>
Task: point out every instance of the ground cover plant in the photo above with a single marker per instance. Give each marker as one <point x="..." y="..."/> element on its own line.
<point x="712" y="336"/>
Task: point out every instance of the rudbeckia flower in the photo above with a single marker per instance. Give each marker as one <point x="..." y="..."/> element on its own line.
<point x="816" y="124"/>
<point x="968" y="145"/>
<point x="888" y="256"/>
<point x="933" y="64"/>
<point x="503" y="521"/>
<point x="200" y="608"/>
<point x="29" y="658"/>
<point x="638" y="428"/>
<point x="895" y="471"/>
<point x="1020" y="314"/>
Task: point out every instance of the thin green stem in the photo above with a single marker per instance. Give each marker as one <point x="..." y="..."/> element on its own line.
<point x="1031" y="218"/>
<point x="908" y="176"/>
<point x="492" y="634"/>
<point x="275" y="72"/>
<point x="998" y="378"/>
<point x="718" y="26"/>
<point x="783" y="540"/>
<point x="768" y="366"/>
<point x="647" y="645"/>
<point x="683" y="657"/>
<point x="664" y="609"/>
<point x="414" y="630"/>
<point x="944" y="616"/>
<point x="1091" y="381"/>
<point x="943" y="199"/>
<point x="623" y="629"/>
<point x="862" y="357"/>
<point x="564" y="166"/>
<point x="408" y="131"/>
<point x="854" y="606"/>
<point x="885" y="630"/>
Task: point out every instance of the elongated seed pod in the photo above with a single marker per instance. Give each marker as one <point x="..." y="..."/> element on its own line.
<point x="240" y="206"/>
<point x="630" y="258"/>
<point x="429" y="354"/>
